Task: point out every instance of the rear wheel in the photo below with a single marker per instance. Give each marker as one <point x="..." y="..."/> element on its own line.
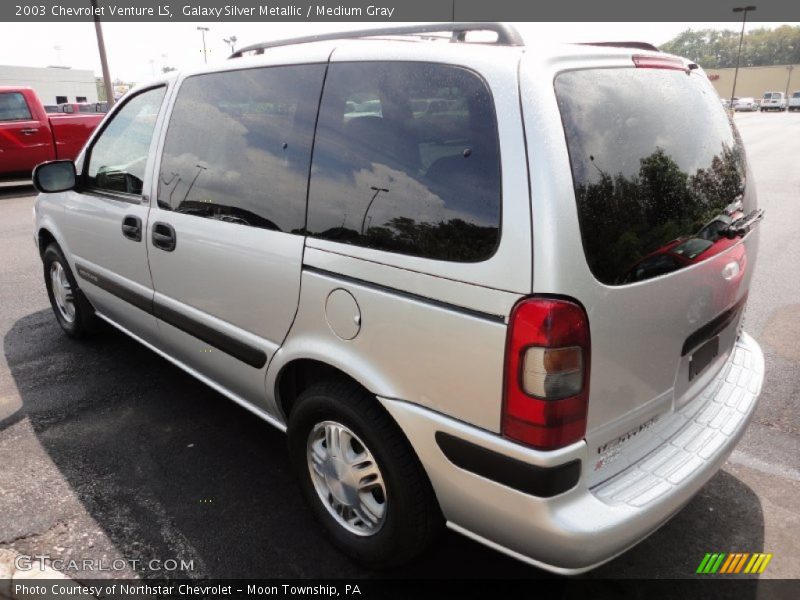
<point x="360" y="475"/>
<point x="72" y="310"/>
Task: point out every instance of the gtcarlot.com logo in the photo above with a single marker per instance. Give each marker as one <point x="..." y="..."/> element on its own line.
<point x="42" y="561"/>
<point x="733" y="563"/>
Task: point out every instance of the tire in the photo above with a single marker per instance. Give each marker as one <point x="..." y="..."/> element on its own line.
<point x="409" y="520"/>
<point x="79" y="321"/>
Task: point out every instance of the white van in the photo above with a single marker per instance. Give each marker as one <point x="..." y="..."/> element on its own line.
<point x="794" y="101"/>
<point x="773" y="101"/>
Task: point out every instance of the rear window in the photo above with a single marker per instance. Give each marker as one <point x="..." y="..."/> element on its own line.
<point x="796" y="95"/>
<point x="654" y="161"/>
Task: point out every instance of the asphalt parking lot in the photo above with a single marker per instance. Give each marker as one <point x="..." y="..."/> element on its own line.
<point x="108" y="451"/>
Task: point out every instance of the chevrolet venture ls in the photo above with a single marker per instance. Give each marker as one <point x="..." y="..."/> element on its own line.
<point x="481" y="285"/>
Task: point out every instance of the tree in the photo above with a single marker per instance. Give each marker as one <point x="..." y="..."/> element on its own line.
<point x="713" y="49"/>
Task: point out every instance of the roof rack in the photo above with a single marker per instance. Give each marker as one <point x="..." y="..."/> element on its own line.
<point x="637" y="45"/>
<point x="507" y="35"/>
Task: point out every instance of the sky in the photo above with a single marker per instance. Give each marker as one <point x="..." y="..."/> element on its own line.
<point x="138" y="51"/>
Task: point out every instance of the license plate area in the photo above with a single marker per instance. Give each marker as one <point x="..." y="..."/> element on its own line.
<point x="701" y="357"/>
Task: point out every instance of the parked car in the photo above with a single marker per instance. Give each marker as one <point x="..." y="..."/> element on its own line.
<point x="52" y="108"/>
<point x="794" y="101"/>
<point x="773" y="101"/>
<point x="29" y="135"/>
<point x="745" y="105"/>
<point x="439" y="319"/>
<point x="715" y="237"/>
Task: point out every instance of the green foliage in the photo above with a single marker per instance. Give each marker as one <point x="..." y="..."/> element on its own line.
<point x="713" y="49"/>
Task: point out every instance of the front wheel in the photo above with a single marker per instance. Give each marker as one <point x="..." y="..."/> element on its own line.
<point x="72" y="310"/>
<point x="360" y="475"/>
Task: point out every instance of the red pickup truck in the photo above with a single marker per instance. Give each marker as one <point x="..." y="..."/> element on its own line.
<point x="29" y="135"/>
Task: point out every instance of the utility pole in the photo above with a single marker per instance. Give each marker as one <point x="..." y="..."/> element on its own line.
<point x="101" y="47"/>
<point x="202" y="31"/>
<point x="745" y="10"/>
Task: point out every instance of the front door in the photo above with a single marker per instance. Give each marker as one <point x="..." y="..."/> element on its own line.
<point x="105" y="218"/>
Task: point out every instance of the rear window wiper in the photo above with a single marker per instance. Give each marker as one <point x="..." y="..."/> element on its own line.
<point x="742" y="225"/>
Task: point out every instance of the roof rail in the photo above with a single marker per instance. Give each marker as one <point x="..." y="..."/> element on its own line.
<point x="637" y="45"/>
<point x="507" y="35"/>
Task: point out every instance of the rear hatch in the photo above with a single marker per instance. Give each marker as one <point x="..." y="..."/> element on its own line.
<point x="771" y="99"/>
<point x="659" y="182"/>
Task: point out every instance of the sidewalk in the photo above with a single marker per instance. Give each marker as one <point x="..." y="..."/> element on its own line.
<point x="10" y="574"/>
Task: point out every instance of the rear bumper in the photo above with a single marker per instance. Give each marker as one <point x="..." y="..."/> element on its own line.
<point x="581" y="528"/>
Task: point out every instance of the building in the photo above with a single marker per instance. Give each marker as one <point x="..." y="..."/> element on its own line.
<point x="754" y="81"/>
<point x="54" y="85"/>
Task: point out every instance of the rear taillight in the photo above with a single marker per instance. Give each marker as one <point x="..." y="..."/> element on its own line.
<point x="646" y="61"/>
<point x="546" y="373"/>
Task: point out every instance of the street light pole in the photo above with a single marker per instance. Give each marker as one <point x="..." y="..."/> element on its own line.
<point x="202" y="31"/>
<point x="744" y="10"/>
<point x="101" y="47"/>
<point x="231" y="41"/>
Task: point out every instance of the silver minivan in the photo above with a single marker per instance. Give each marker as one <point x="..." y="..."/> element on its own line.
<point x="479" y="284"/>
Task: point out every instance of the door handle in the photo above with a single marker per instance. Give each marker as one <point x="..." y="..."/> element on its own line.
<point x="29" y="131"/>
<point x="132" y="228"/>
<point x="164" y="236"/>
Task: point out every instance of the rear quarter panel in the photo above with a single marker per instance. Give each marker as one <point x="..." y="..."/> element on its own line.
<point x="408" y="348"/>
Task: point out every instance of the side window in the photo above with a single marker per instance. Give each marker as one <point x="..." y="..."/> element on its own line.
<point x="13" y="107"/>
<point x="118" y="157"/>
<point x="406" y="159"/>
<point x="238" y="146"/>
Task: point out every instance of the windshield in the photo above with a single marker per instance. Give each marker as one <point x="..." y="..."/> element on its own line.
<point x="649" y="177"/>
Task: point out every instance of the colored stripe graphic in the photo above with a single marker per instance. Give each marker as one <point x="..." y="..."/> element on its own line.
<point x="767" y="558"/>
<point x="716" y="565"/>
<point x="749" y="567"/>
<point x="741" y="562"/>
<point x="732" y="559"/>
<point x="703" y="563"/>
<point x="733" y="563"/>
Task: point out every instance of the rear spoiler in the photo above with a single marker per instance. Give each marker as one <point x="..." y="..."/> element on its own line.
<point x="636" y="45"/>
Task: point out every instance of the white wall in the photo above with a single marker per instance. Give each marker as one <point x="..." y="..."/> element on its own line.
<point x="52" y="82"/>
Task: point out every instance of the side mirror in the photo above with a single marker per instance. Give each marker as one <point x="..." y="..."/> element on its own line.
<point x="55" y="176"/>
